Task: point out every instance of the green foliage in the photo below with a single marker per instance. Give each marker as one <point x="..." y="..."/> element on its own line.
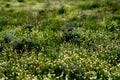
<point x="89" y="5"/>
<point x="21" y="0"/>
<point x="3" y="21"/>
<point x="8" y="37"/>
<point x="79" y="40"/>
<point x="7" y="5"/>
<point x="25" y="44"/>
<point x="70" y="36"/>
<point x="113" y="25"/>
<point x="61" y="10"/>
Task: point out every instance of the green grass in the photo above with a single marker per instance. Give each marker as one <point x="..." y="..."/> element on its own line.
<point x="59" y="40"/>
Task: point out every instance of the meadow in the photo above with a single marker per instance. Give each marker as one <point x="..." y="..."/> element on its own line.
<point x="59" y="40"/>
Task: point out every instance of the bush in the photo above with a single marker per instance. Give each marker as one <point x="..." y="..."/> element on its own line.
<point x="25" y="45"/>
<point x="70" y="36"/>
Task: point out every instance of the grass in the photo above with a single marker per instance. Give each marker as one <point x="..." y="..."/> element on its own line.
<point x="59" y="40"/>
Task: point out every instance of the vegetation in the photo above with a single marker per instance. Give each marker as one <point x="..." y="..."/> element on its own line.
<point x="59" y="40"/>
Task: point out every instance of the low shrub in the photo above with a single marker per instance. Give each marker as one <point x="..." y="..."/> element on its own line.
<point x="70" y="36"/>
<point x="25" y="45"/>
